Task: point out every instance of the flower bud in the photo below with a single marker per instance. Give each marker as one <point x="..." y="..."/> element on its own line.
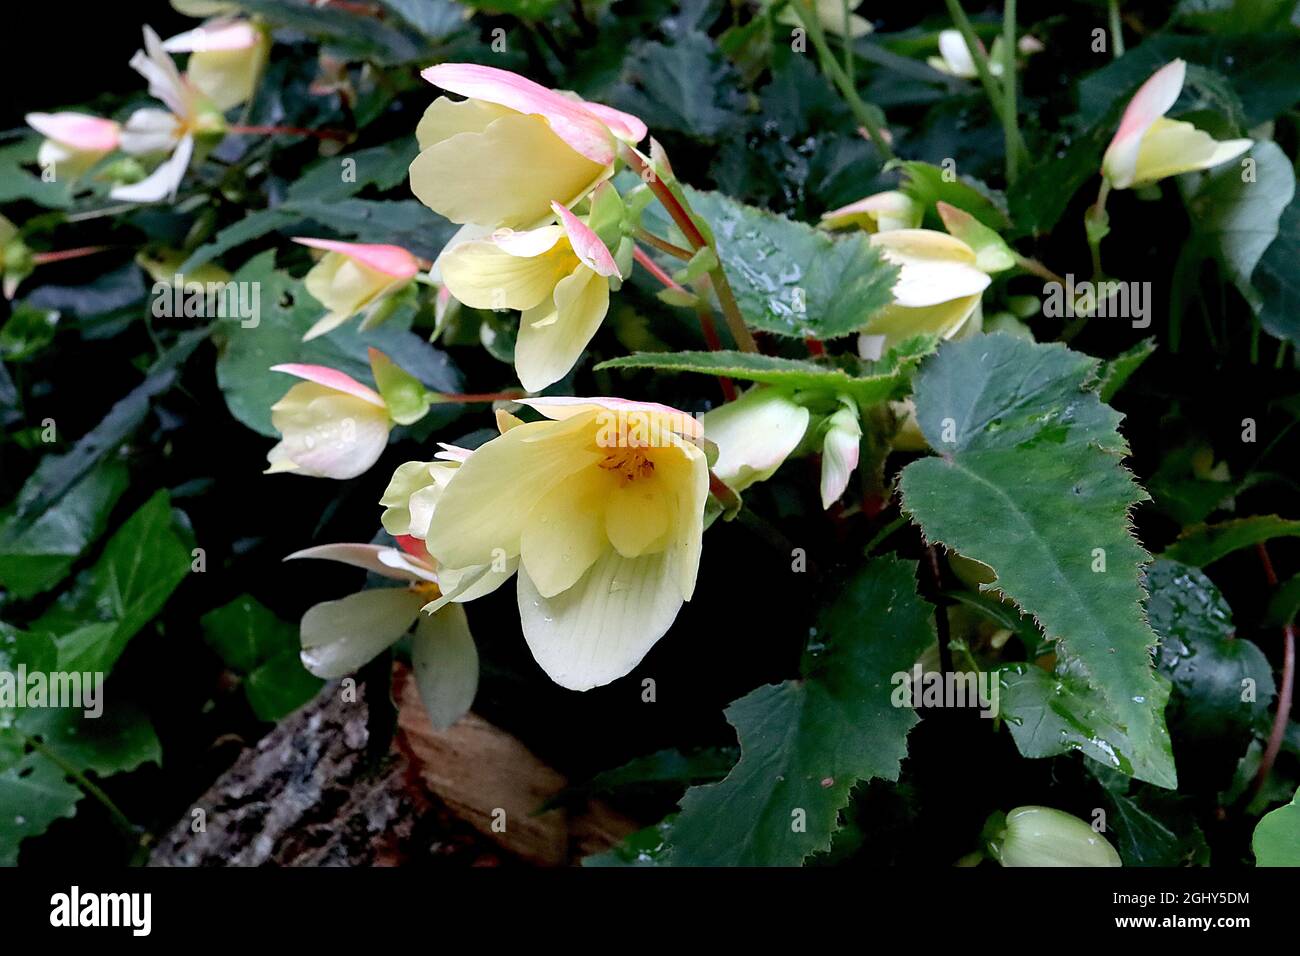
<point x="1041" y="836"/>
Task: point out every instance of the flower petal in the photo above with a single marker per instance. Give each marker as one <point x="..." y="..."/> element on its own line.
<point x="393" y="261"/>
<point x="162" y="182"/>
<point x="444" y="661"/>
<point x="754" y="435"/>
<point x="331" y="378"/>
<point x="487" y="503"/>
<point x="593" y="253"/>
<point x="339" y="637"/>
<point x="553" y="334"/>
<point x="564" y="534"/>
<point x="371" y="558"/>
<point x="510" y="271"/>
<point x="80" y="131"/>
<point x="327" y="433"/>
<point x="506" y="175"/>
<point x="578" y="127"/>
<point x="1171" y="147"/>
<point x="1152" y="100"/>
<point x="934" y="266"/>
<point x="600" y="629"/>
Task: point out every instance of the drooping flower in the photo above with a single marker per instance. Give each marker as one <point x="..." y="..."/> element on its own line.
<point x="938" y="287"/>
<point x="74" y="142"/>
<point x="557" y="276"/>
<point x="16" y="260"/>
<point x="840" y="450"/>
<point x="831" y="15"/>
<point x="1147" y="147"/>
<point x="603" y="503"/>
<point x="955" y="57"/>
<point x="331" y="425"/>
<point x="189" y="114"/>
<point x="500" y="157"/>
<point x="754" y="434"/>
<point x="340" y="637"/>
<point x="877" y="213"/>
<point x="1042" y="836"/>
<point x="226" y="59"/>
<point x="355" y="277"/>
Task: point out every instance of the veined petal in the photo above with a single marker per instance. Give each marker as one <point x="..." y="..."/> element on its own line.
<point x="754" y="435"/>
<point x="688" y="476"/>
<point x="574" y="124"/>
<point x="339" y="637"/>
<point x="462" y="585"/>
<point x="564" y="534"/>
<point x="599" y="629"/>
<point x="486" y="504"/>
<point x="510" y="271"/>
<point x="1152" y="100"/>
<point x="639" y="516"/>
<point x="553" y="334"/>
<point x="162" y="182"/>
<point x="444" y="661"/>
<point x="506" y="175"/>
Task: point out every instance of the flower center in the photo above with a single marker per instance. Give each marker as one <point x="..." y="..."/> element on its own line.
<point x="629" y="463"/>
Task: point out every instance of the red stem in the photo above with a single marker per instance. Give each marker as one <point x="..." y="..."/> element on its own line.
<point x="1285" y="691"/>
<point x="815" y="347"/>
<point x="652" y="267"/>
<point x="41" y="258"/>
<point x="465" y="399"/>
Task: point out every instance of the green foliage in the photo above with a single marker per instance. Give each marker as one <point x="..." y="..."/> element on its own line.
<point x="803" y="743"/>
<point x="1277" y="836"/>
<point x="1031" y="485"/>
<point x="263" y="650"/>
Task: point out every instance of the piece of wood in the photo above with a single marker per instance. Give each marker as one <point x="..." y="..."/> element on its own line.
<point x="310" y="794"/>
<point x="489" y="779"/>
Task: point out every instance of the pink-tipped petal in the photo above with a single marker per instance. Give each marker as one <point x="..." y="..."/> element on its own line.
<point x="1152" y="101"/>
<point x="331" y="378"/>
<point x="570" y="120"/>
<point x="560" y="407"/>
<point x="212" y="37"/>
<point x="593" y="253"/>
<point x="390" y="260"/>
<point x="93" y="134"/>
<point x="630" y="129"/>
<point x="372" y="557"/>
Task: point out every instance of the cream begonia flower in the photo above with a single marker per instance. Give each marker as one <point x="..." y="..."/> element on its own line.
<point x="340" y="637"/>
<point x="557" y="276"/>
<point x="955" y="57"/>
<point x="938" y="288"/>
<point x="840" y="450"/>
<point x="754" y="434"/>
<point x="189" y="114"/>
<point x="332" y="425"/>
<point x="354" y="277"/>
<point x="1147" y="147"/>
<point x="74" y="142"/>
<point x="830" y="14"/>
<point x="880" y="212"/>
<point x="500" y="157"/>
<point x="226" y="59"/>
<point x="604" y="506"/>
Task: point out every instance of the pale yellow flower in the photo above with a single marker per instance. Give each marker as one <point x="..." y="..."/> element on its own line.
<point x="557" y="276"/>
<point x="603" y="505"/>
<point x="226" y="59"/>
<point x="879" y="212"/>
<point x="331" y="425"/>
<point x="501" y="156"/>
<point x="74" y="142"/>
<point x="354" y="277"/>
<point x="754" y="434"/>
<point x="938" y="288"/>
<point x="1147" y="147"/>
